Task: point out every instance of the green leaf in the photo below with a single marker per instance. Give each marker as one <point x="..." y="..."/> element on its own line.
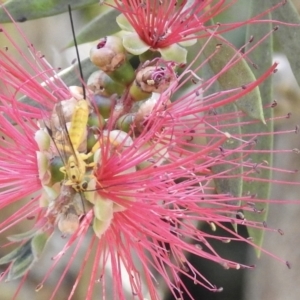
<point x="24" y="256"/>
<point x="18" y="252"/>
<point x="261" y="56"/>
<point x="235" y="76"/>
<point x="232" y="182"/>
<point x="23" y="10"/>
<point x="288" y="37"/>
<point x="98" y="27"/>
<point x="70" y="75"/>
<point x="22" y="236"/>
<point x="38" y="244"/>
<point x="21" y="265"/>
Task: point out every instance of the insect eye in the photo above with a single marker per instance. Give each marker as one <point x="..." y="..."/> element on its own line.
<point x="84" y="185"/>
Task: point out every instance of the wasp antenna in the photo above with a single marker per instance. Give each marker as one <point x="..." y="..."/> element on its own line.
<point x="77" y="52"/>
<point x="49" y="130"/>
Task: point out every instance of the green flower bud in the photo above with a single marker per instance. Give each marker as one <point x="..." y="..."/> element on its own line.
<point x="125" y="121"/>
<point x="109" y="55"/>
<point x="103" y="105"/>
<point x="91" y="141"/>
<point x="96" y="121"/>
<point x="55" y="164"/>
<point x="100" y="83"/>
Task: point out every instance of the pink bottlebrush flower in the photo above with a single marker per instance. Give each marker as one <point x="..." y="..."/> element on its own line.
<point x="149" y="189"/>
<point x="166" y="26"/>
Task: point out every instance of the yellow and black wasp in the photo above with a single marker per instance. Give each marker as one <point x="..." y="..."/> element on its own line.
<point x="68" y="132"/>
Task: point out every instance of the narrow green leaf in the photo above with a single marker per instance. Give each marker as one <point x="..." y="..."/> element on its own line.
<point x="23" y="10"/>
<point x="22" y="236"/>
<point x="18" y="252"/>
<point x="234" y="183"/>
<point x="70" y="75"/>
<point x="288" y="37"/>
<point x="21" y="265"/>
<point x="261" y="56"/>
<point x="235" y="76"/>
<point x="104" y="24"/>
<point x="229" y="181"/>
<point x="38" y="244"/>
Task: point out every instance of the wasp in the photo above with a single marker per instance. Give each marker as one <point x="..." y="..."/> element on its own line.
<point x="68" y="129"/>
<point x="68" y="141"/>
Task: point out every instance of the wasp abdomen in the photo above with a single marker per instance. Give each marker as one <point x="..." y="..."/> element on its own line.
<point x="78" y="123"/>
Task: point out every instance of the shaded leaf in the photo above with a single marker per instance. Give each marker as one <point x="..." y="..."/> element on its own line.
<point x="288" y="37"/>
<point x="22" y="236"/>
<point x="38" y="244"/>
<point x="233" y="184"/>
<point x="228" y="182"/>
<point x="262" y="56"/>
<point x="18" y="252"/>
<point x="24" y="256"/>
<point x="21" y="265"/>
<point x="23" y="10"/>
<point x="235" y="76"/>
<point x="98" y="27"/>
<point x="70" y="76"/>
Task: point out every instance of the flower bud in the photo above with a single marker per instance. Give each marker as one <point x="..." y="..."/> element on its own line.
<point x="155" y="78"/>
<point x="101" y="84"/>
<point x="54" y="167"/>
<point x="109" y="55"/>
<point x="152" y="79"/>
<point x="125" y="121"/>
<point x="143" y="115"/>
<point x="43" y="140"/>
<point x="96" y="121"/>
<point x="103" y="105"/>
<point x="91" y="141"/>
<point x="43" y="167"/>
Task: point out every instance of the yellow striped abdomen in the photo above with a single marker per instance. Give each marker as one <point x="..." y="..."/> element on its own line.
<point x="78" y="123"/>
